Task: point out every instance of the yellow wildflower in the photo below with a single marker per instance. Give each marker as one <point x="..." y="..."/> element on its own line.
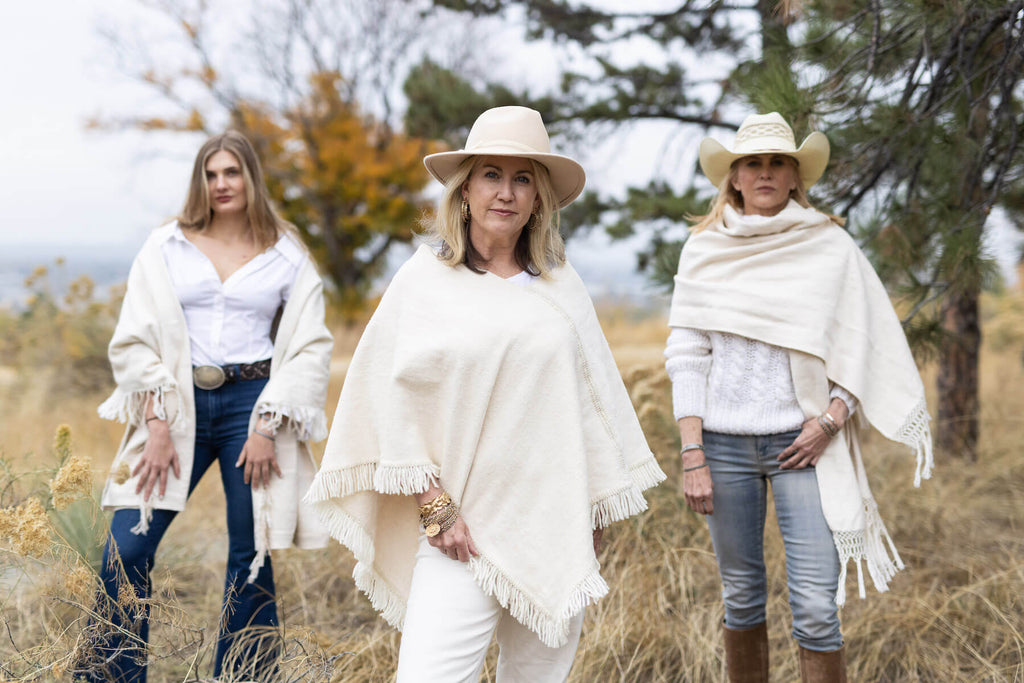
<point x="73" y="480"/>
<point x="31" y="535"/>
<point x="80" y="581"/>
<point x="62" y="443"/>
<point x="122" y="474"/>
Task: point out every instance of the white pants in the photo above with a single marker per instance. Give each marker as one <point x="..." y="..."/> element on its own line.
<point x="449" y="622"/>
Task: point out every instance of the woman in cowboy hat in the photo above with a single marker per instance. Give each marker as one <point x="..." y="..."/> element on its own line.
<point x="483" y="437"/>
<point x="781" y="334"/>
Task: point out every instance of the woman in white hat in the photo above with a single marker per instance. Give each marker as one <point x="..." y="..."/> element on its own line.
<point x="781" y="334"/>
<point x="483" y="437"/>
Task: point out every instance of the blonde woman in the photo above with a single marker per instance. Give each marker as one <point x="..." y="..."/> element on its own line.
<point x="781" y="333"/>
<point x="220" y="355"/>
<point x="483" y="438"/>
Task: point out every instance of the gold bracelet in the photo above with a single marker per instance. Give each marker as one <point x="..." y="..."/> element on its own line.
<point x="440" y="521"/>
<point x="440" y="501"/>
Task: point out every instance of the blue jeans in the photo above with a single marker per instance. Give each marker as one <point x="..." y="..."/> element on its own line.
<point x="222" y="424"/>
<point x="741" y="469"/>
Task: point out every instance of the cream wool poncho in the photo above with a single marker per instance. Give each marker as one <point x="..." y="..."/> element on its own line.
<point x="798" y="281"/>
<point x="508" y="395"/>
<point x="150" y="355"/>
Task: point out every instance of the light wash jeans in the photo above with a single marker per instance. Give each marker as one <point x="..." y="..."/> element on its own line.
<point x="741" y="469"/>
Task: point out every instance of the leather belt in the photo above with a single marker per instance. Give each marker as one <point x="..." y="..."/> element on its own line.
<point x="210" y="377"/>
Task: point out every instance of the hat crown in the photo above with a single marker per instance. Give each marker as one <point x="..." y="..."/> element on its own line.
<point x="508" y="129"/>
<point x="765" y="131"/>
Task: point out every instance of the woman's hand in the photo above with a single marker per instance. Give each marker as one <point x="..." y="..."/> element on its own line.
<point x="697" y="486"/>
<point x="158" y="456"/>
<point x="456" y="543"/>
<point x="259" y="459"/>
<point x="807" y="448"/>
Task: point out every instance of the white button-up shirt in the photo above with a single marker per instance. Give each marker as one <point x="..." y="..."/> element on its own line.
<point x="229" y="322"/>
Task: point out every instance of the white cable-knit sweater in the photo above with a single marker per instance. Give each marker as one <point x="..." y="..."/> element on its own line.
<point x="735" y="384"/>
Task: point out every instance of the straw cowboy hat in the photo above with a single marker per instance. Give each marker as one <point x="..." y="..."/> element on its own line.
<point x="765" y="134"/>
<point x="513" y="132"/>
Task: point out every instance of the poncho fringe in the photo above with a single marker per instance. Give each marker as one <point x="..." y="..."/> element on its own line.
<point x="552" y="630"/>
<point x="309" y="424"/>
<point x="129" y="407"/>
<point x="916" y="434"/>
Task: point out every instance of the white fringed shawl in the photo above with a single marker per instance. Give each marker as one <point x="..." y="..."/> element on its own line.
<point x="510" y="396"/>
<point x="150" y="355"/>
<point x="799" y="282"/>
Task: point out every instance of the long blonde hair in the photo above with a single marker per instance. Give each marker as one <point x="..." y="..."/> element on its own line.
<point x="540" y="247"/>
<point x="265" y="223"/>
<point x="727" y="194"/>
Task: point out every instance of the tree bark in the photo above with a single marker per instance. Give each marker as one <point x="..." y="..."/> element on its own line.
<point x="957" y="428"/>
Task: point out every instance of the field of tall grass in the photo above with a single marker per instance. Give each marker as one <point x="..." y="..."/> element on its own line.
<point x="955" y="614"/>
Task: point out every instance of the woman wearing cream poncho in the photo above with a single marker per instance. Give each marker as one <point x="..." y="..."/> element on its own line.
<point x="484" y="392"/>
<point x="781" y="330"/>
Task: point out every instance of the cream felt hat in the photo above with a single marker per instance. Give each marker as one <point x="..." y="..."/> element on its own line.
<point x="765" y="134"/>
<point x="513" y="132"/>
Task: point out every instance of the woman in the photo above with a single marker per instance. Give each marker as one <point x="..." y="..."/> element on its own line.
<point x="484" y="393"/>
<point x="781" y="331"/>
<point x="220" y="355"/>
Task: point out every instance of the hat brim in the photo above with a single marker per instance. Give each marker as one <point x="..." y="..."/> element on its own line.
<point x="567" y="176"/>
<point x="811" y="156"/>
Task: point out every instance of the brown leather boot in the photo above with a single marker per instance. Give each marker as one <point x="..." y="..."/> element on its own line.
<point x="746" y="654"/>
<point x="822" y="667"/>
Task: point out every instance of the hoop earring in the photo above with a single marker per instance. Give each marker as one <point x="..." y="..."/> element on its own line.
<point x="465" y="211"/>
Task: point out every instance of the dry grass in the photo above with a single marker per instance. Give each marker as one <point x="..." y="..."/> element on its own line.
<point x="956" y="614"/>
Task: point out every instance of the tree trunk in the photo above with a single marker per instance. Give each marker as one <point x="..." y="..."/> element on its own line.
<point x="957" y="429"/>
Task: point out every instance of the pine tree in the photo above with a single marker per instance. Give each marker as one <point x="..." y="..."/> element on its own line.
<point x="923" y="104"/>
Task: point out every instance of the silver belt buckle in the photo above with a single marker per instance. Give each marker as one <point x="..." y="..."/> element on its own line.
<point x="208" y="377"/>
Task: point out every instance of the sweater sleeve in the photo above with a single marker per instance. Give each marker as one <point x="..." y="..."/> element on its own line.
<point x="845" y="396"/>
<point x="688" y="362"/>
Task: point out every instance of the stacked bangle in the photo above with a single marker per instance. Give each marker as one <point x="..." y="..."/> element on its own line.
<point x="438" y="515"/>
<point x="828" y="425"/>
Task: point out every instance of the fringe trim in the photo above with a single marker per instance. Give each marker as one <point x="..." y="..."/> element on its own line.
<point x="340" y="483"/>
<point x="552" y="630"/>
<point x="647" y="473"/>
<point x="369" y="476"/>
<point x="262" y="536"/>
<point x="145" y="517"/>
<point x="917" y="434"/>
<point x="310" y="424"/>
<point x="405" y="480"/>
<point x="625" y="502"/>
<point x="129" y="407"/>
<point x="872" y="546"/>
<point x="383" y="597"/>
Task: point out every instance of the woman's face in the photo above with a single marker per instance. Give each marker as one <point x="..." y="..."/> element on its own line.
<point x="765" y="181"/>
<point x="226" y="183"/>
<point x="502" y="193"/>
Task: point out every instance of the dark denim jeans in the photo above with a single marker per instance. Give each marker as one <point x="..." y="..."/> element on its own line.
<point x="742" y="467"/>
<point x="222" y="422"/>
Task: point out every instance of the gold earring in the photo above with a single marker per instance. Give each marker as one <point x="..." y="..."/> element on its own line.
<point x="533" y="222"/>
<point x="465" y="211"/>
